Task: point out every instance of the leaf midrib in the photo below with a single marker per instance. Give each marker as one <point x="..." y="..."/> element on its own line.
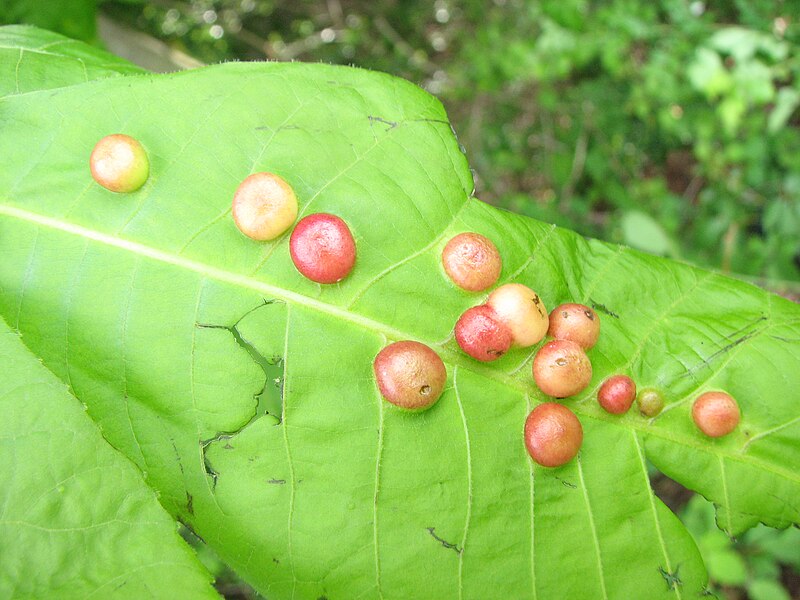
<point x="449" y="356"/>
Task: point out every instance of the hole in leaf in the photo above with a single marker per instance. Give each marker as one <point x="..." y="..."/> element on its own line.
<point x="226" y="582"/>
<point x="669" y="491"/>
<point x="255" y="333"/>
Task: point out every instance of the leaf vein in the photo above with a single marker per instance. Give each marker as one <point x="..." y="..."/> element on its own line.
<point x="27" y="277"/>
<point x="539" y="244"/>
<point x="357" y="296"/>
<point x="69" y="297"/>
<point x="593" y="529"/>
<point x="469" y="487"/>
<point x="650" y="497"/>
<point x="725" y="495"/>
<point x="16" y="69"/>
<point x="379" y="454"/>
<point x="285" y="428"/>
<point x="532" y="511"/>
<point x="123" y="358"/>
<point x="598" y="276"/>
<point x="769" y="432"/>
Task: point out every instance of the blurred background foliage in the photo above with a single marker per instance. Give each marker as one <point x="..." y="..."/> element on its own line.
<point x="753" y="566"/>
<point x="669" y="125"/>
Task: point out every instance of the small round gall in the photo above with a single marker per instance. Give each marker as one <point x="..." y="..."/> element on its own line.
<point x="616" y="394"/>
<point x="575" y="322"/>
<point x="522" y="311"/>
<point x="481" y="335"/>
<point x="715" y="413"/>
<point x="561" y="368"/>
<point x="119" y="163"/>
<point x="553" y="434"/>
<point x="472" y="261"/>
<point x="264" y="206"/>
<point x="322" y="248"/>
<point x="409" y="375"/>
<point x="650" y="401"/>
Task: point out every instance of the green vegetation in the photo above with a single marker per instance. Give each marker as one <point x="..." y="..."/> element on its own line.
<point x="67" y="494"/>
<point x="669" y="125"/>
<point x="753" y="564"/>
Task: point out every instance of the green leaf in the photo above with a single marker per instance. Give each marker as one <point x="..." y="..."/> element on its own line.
<point x="77" y="519"/>
<point x="32" y="59"/>
<point x="754" y="83"/>
<point x="766" y="589"/>
<point x="786" y="101"/>
<point x="743" y="44"/>
<point x="75" y="18"/>
<point x="707" y="73"/>
<point x="167" y="323"/>
<point x="643" y="232"/>
<point x="726" y="567"/>
<point x="783" y="546"/>
<point x="730" y="111"/>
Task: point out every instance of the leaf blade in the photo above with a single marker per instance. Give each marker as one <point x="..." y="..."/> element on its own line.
<point x="437" y="519"/>
<point x="82" y="523"/>
<point x="33" y="59"/>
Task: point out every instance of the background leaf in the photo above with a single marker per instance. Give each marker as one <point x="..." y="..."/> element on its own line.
<point x="643" y="232"/>
<point x="77" y="520"/>
<point x="165" y="321"/>
<point x="32" y="59"/>
<point x="74" y="18"/>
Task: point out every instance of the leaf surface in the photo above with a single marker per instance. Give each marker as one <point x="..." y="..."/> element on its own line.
<point x="172" y="327"/>
<point x="76" y="518"/>
<point x="75" y="18"/>
<point x="33" y="59"/>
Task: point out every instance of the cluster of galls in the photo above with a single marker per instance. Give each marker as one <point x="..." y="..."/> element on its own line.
<point x="514" y="316"/>
<point x="411" y="375"/>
